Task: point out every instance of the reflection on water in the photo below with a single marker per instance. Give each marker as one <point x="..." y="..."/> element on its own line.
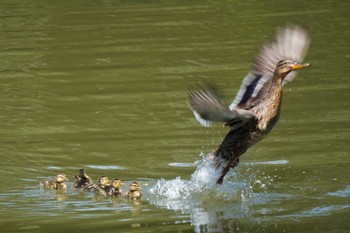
<point x="106" y="167"/>
<point x="341" y="193"/>
<point x="215" y="209"/>
<point x="209" y="204"/>
<point x="242" y="203"/>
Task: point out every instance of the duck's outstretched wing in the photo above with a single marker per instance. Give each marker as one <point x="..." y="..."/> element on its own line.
<point x="208" y="108"/>
<point x="290" y="43"/>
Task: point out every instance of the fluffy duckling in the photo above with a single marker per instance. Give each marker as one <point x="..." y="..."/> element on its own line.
<point x="58" y="183"/>
<point x="134" y="191"/>
<point x="102" y="185"/>
<point x="82" y="179"/>
<point x="115" y="188"/>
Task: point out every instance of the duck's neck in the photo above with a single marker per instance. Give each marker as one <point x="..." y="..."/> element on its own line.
<point x="276" y="84"/>
<point x="270" y="112"/>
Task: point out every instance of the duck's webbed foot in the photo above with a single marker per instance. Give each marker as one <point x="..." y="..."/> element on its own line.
<point x="230" y="164"/>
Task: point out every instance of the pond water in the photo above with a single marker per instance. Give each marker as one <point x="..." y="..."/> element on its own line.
<point x="101" y="85"/>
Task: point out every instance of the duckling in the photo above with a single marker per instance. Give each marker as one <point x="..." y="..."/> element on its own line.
<point x="114" y="189"/>
<point x="82" y="179"/>
<point x="102" y="185"/>
<point x="134" y="192"/>
<point x="58" y="183"/>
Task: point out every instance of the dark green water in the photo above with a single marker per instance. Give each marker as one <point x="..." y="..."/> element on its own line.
<point x="101" y="85"/>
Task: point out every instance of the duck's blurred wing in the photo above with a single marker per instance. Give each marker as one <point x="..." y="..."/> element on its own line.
<point x="208" y="108"/>
<point x="290" y="43"/>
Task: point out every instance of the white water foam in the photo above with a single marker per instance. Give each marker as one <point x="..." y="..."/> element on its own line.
<point x="200" y="187"/>
<point x="209" y="204"/>
<point x="202" y="184"/>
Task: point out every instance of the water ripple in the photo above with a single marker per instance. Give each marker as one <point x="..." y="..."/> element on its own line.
<point x="341" y="193"/>
<point x="106" y="167"/>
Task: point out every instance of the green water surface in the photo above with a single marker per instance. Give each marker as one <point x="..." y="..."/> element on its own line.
<point x="101" y="85"/>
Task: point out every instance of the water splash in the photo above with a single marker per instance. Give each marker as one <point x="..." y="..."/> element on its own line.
<point x="201" y="187"/>
<point x="207" y="203"/>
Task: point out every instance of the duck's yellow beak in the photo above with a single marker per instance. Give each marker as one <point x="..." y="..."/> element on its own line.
<point x="299" y="66"/>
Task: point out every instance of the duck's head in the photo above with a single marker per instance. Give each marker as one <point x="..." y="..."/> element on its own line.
<point x="284" y="67"/>
<point x="80" y="175"/>
<point x="82" y="172"/>
<point x="103" y="180"/>
<point x="134" y="186"/>
<point x="116" y="183"/>
<point x="60" y="178"/>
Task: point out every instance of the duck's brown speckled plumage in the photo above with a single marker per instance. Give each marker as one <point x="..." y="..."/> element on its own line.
<point x="256" y="108"/>
<point x="115" y="188"/>
<point x="82" y="179"/>
<point x="57" y="184"/>
<point x="102" y="186"/>
<point x="134" y="192"/>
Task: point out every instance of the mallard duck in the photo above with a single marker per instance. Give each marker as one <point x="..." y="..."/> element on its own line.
<point x="256" y="108"/>
<point x="58" y="183"/>
<point x="134" y="191"/>
<point x="115" y="188"/>
<point x="101" y="187"/>
<point x="82" y="179"/>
